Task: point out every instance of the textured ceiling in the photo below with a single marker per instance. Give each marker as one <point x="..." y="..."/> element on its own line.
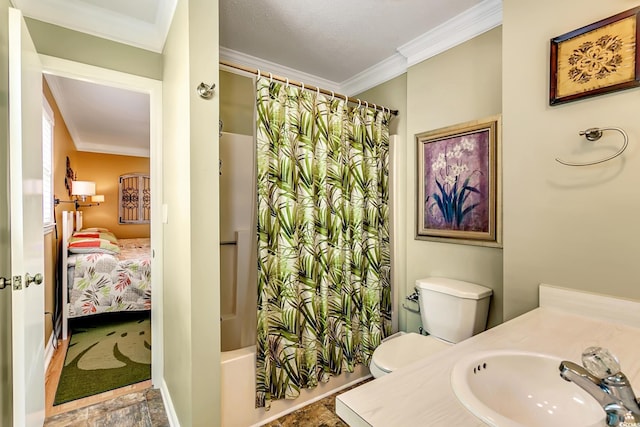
<point x="331" y="39"/>
<point x="102" y="118"/>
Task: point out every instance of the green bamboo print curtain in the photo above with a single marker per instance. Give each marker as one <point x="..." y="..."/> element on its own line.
<point x="324" y="300"/>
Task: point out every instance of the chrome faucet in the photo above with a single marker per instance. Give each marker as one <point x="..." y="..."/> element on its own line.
<point x="602" y="378"/>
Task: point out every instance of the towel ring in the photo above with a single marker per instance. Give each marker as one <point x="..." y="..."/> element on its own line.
<point x="594" y="134"/>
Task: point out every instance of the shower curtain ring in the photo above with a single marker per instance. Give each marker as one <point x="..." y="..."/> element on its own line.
<point x="333" y="95"/>
<point x="287" y="83"/>
<point x="366" y="103"/>
<point x="270" y="78"/>
<point x="359" y="103"/>
<point x="302" y="85"/>
<point x="258" y="73"/>
<point x="374" y="107"/>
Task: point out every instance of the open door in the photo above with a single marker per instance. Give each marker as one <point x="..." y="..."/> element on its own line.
<point x="26" y="228"/>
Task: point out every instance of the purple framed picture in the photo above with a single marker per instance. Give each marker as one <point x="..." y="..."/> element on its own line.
<point x="458" y="183"/>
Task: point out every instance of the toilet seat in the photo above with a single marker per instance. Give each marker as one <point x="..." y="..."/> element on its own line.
<point x="404" y="350"/>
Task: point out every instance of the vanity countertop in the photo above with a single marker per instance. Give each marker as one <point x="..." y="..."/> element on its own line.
<point x="421" y="394"/>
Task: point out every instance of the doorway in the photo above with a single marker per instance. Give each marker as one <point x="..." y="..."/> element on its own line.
<point x="60" y="68"/>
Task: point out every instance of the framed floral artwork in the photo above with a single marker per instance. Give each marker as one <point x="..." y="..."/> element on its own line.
<point x="599" y="58"/>
<point x="458" y="183"/>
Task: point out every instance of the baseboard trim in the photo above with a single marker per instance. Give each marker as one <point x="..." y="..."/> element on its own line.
<point x="48" y="352"/>
<point x="168" y="405"/>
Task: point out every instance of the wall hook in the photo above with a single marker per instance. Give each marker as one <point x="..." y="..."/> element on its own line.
<point x="594" y="134"/>
<point x="205" y="91"/>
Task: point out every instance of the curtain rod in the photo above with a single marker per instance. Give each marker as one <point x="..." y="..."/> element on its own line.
<point x="302" y="85"/>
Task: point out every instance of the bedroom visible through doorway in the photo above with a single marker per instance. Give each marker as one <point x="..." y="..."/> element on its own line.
<point x="107" y="294"/>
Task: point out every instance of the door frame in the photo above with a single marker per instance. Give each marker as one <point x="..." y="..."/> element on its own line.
<point x="92" y="74"/>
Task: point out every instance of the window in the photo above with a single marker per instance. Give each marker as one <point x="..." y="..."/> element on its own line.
<point x="134" y="194"/>
<point x="48" y="124"/>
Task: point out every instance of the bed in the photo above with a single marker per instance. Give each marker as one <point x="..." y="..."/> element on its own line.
<point x="101" y="273"/>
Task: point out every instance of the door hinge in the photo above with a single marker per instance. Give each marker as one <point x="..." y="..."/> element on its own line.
<point x="17" y="283"/>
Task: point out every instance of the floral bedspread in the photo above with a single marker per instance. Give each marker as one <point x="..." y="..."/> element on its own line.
<point x="105" y="283"/>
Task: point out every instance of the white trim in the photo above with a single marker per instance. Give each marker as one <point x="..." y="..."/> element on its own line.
<point x="110" y="149"/>
<point x="168" y="406"/>
<point x="310" y="401"/>
<point x="379" y="73"/>
<point x="49" y="350"/>
<point x="465" y="26"/>
<point x="104" y="23"/>
<point x="596" y="306"/>
<point x="89" y="73"/>
<point x="240" y="58"/>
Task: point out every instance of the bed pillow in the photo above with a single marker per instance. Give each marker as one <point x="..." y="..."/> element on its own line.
<point x="106" y="235"/>
<point x="98" y="229"/>
<point x="85" y="245"/>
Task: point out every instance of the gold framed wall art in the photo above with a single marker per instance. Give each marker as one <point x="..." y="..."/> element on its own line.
<point x="599" y="58"/>
<point x="458" y="183"/>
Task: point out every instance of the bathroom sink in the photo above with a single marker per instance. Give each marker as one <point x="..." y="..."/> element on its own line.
<point x="508" y="388"/>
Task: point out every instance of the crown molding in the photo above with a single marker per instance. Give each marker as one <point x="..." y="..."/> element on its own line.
<point x="104" y="23"/>
<point x="61" y="102"/>
<point x="112" y="149"/>
<point x="379" y="73"/>
<point x="465" y="26"/>
<point x="471" y="23"/>
<point x="267" y="67"/>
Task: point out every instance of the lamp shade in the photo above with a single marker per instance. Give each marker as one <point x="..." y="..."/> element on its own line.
<point x="83" y="188"/>
<point x="98" y="198"/>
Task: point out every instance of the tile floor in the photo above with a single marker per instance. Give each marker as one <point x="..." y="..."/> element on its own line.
<point x="146" y="409"/>
<point x="139" y="409"/>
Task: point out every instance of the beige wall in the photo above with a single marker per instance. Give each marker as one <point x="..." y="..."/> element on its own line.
<point x="459" y="85"/>
<point x="5" y="295"/>
<point x="61" y="42"/>
<point x="190" y="153"/>
<point x="571" y="227"/>
<point x="237" y="101"/>
<point x="105" y="170"/>
<point x="62" y="148"/>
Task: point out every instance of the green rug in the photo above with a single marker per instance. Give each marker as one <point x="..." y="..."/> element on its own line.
<point x="105" y="352"/>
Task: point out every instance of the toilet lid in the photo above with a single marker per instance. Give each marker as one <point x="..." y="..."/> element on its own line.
<point x="404" y="350"/>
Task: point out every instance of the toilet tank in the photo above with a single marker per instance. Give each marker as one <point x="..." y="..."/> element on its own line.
<point x="452" y="310"/>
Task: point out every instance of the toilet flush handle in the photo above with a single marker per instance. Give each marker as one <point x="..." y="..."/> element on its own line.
<point x="413" y="298"/>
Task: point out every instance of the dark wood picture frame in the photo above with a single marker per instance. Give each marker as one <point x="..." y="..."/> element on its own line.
<point x="596" y="59"/>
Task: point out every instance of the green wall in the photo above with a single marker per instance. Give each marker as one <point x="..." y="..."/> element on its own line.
<point x="190" y="191"/>
<point x="575" y="227"/>
<point x="5" y="271"/>
<point x="237" y="101"/>
<point x="456" y="86"/>
<point x="459" y="85"/>
<point x="63" y="43"/>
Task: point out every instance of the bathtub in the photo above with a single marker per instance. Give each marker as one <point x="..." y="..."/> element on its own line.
<point x="238" y="317"/>
<point x="238" y="390"/>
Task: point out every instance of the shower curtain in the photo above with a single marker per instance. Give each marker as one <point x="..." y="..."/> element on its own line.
<point x="324" y="297"/>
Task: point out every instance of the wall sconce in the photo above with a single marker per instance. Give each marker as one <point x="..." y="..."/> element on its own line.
<point x="81" y="190"/>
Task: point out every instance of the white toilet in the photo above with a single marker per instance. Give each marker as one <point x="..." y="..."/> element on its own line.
<point x="451" y="311"/>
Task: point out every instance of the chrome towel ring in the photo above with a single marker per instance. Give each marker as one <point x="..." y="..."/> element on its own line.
<point x="594" y="134"/>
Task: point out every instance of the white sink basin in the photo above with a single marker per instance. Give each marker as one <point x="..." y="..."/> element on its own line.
<point x="508" y="388"/>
